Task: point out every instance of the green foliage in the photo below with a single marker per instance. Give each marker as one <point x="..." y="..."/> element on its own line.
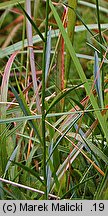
<point x="53" y="100"/>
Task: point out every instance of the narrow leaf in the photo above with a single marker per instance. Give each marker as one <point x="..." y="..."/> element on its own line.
<point x="11" y="3"/>
<point x="29" y="170"/>
<point x="96" y="150"/>
<point x="26" y="111"/>
<point x="79" y="70"/>
<point x="77" y="14"/>
<point x="61" y="95"/>
<point x="33" y="24"/>
<point x="98" y="80"/>
<point x="102" y="190"/>
<point x="48" y="55"/>
<point x="12" y="157"/>
<point x="48" y="169"/>
<point x="3" y="98"/>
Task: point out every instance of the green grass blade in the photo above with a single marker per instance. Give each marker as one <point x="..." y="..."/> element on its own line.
<point x="26" y="111"/>
<point x="29" y="170"/>
<point x="75" y="11"/>
<point x="11" y="3"/>
<point x="32" y="23"/>
<point x="102" y="190"/>
<point x="96" y="150"/>
<point x="43" y="98"/>
<point x="62" y="136"/>
<point x="12" y="157"/>
<point x="60" y="96"/>
<point x="74" y="188"/>
<point x="79" y="69"/>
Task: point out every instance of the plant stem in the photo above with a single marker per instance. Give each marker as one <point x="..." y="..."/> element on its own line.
<point x="43" y="100"/>
<point x="22" y="54"/>
<point x="101" y="41"/>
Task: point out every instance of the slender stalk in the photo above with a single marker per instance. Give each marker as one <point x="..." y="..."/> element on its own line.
<point x="27" y="188"/>
<point x="101" y="41"/>
<point x="22" y="54"/>
<point x="43" y="100"/>
<point x="101" y="56"/>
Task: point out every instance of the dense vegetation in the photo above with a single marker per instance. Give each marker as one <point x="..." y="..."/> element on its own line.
<point x="53" y="99"/>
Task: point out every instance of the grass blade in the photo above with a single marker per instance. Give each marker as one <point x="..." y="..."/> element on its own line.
<point x="98" y="80"/>
<point x="96" y="150"/>
<point x="60" y="96"/>
<point x="79" y="70"/>
<point x="49" y="172"/>
<point x="54" y="33"/>
<point x="48" y="55"/>
<point x="102" y="191"/>
<point x="101" y="42"/>
<point x="32" y="23"/>
<point x="11" y="3"/>
<point x="75" y="11"/>
<point x="4" y="92"/>
<point x="26" y="111"/>
<point x="12" y="157"/>
<point x="43" y="99"/>
<point x="32" y="59"/>
<point x="30" y="171"/>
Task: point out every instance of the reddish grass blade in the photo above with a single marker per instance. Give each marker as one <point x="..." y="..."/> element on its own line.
<point x="5" y="80"/>
<point x="4" y="91"/>
<point x="32" y="61"/>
